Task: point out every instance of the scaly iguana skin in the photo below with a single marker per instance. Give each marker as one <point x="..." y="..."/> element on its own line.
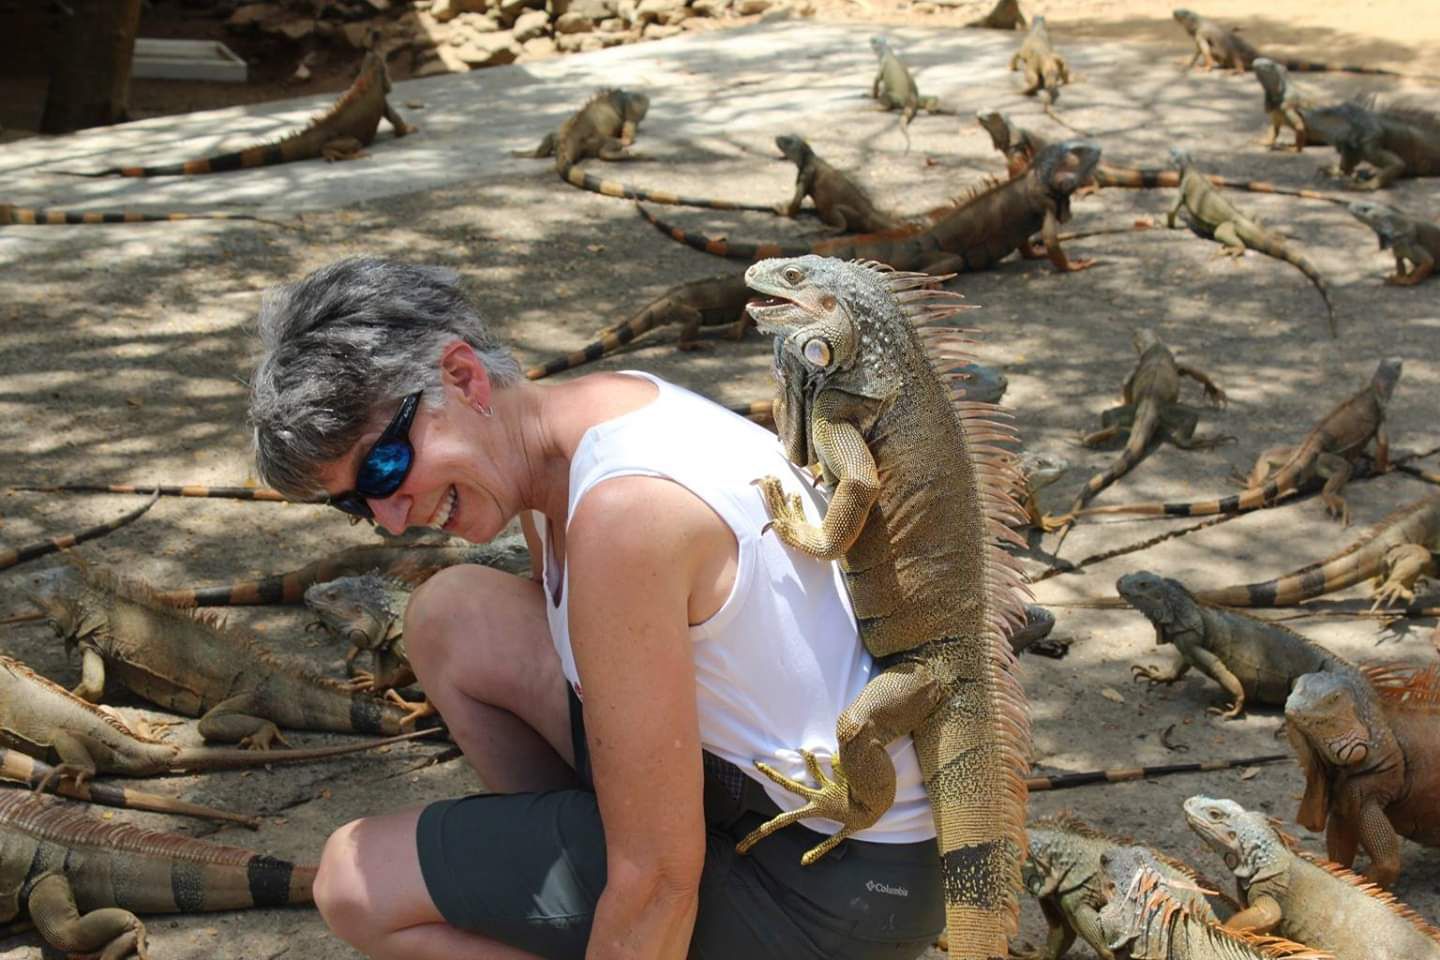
<point x="1211" y="215"/>
<point x="710" y="302"/>
<point x="41" y="548"/>
<point x="1151" y="408"/>
<point x="1045" y="70"/>
<point x="1370" y="748"/>
<point x="1005" y="15"/>
<point x="973" y="236"/>
<point x="368" y="613"/>
<point x="1396" y="143"/>
<point x="241" y="691"/>
<point x="1062" y="872"/>
<point x="43" y="216"/>
<point x="1146" y="917"/>
<point x="895" y="88"/>
<point x="337" y="134"/>
<point x="1328" y="451"/>
<point x="82" y="880"/>
<point x="1417" y="241"/>
<point x="919" y="509"/>
<point x="1254" y="660"/>
<point x="1224" y="48"/>
<point x="1285" y="106"/>
<point x="838" y="199"/>
<point x="1309" y="900"/>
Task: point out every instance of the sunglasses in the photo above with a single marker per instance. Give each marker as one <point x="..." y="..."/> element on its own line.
<point x="385" y="465"/>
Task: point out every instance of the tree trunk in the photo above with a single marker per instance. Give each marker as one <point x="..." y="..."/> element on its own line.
<point x="90" y="69"/>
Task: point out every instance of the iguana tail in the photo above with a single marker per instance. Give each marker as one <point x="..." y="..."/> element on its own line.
<point x="1272" y="246"/>
<point x="1064" y="781"/>
<point x="737" y="250"/>
<point x="215" y="758"/>
<point x="1142" y="431"/>
<point x="898" y="247"/>
<point x="1266" y="495"/>
<point x="1312" y="66"/>
<point x="761" y="411"/>
<point x="1149" y="178"/>
<point x="42" y="216"/>
<point x="612" y="339"/>
<point x="261" y="156"/>
<point x="18" y="555"/>
<point x="575" y="176"/>
<point x="169" y="490"/>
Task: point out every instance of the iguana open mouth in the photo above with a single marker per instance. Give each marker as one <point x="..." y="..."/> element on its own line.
<point x="764" y="307"/>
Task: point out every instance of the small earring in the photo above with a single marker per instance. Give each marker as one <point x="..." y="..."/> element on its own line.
<point x="484" y="410"/>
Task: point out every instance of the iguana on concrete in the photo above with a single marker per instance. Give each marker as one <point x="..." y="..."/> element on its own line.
<point x="1329" y="451"/>
<point x="339" y="133"/>
<point x="15" y="556"/>
<point x="922" y="496"/>
<point x="895" y="88"/>
<point x="1285" y="105"/>
<point x="840" y="202"/>
<point x="1408" y="238"/>
<point x="1062" y="872"/>
<point x="1045" y="70"/>
<point x="717" y="301"/>
<point x="1146" y="917"/>
<point x="11" y="215"/>
<point x="1370" y="748"/>
<point x="1256" y="661"/>
<point x="1219" y="47"/>
<point x="975" y="235"/>
<point x="192" y="664"/>
<point x="1005" y="15"/>
<point x="368" y="613"/>
<point x="1210" y="215"/>
<point x="1393" y="143"/>
<point x="1151" y="409"/>
<point x="1287" y="891"/>
<point x="81" y="880"/>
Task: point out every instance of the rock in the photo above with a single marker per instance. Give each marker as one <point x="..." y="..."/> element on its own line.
<point x="925" y="8"/>
<point x="435" y="66"/>
<point x="578" y="42"/>
<point x="531" y="24"/>
<point x="611" y="25"/>
<point x="292" y="28"/>
<point x="592" y="9"/>
<point x="251" y="14"/>
<point x="710" y="8"/>
<point x="659" y="31"/>
<point x="379" y="6"/>
<point x="357" y="35"/>
<point x="450" y="58"/>
<point x="650" y="11"/>
<point x="614" y="39"/>
<point x="510" y="9"/>
<point x="489" y="49"/>
<point x="478" y="22"/>
<point x="538" y="48"/>
<point x="444" y="10"/>
<point x="747" y="7"/>
<point x="573" y="22"/>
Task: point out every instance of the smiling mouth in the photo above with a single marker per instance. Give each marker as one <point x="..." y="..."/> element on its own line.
<point x="445" y="511"/>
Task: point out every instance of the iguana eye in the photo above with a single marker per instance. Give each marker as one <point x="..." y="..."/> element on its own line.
<point x="793" y="275"/>
<point x="817" y="351"/>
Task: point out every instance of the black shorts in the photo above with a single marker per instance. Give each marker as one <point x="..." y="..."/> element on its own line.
<point x="527" y="870"/>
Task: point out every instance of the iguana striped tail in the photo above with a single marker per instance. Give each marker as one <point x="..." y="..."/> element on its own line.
<point x="1271" y="245"/>
<point x="1142" y="431"/>
<point x="41" y="548"/>
<point x="577" y="177"/>
<point x="1149" y="178"/>
<point x="1065" y="781"/>
<point x="44" y="216"/>
<point x="168" y="490"/>
<point x="1315" y="66"/>
<point x="1270" y="493"/>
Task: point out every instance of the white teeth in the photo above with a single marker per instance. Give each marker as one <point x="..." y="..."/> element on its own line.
<point x="447" y="507"/>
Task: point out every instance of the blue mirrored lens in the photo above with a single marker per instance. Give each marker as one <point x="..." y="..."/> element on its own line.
<point x="384" y="469"/>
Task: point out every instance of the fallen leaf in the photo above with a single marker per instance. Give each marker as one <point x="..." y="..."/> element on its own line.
<point x="1110" y="693"/>
<point x="595" y="247"/>
<point x="1249" y="773"/>
<point x="107" y="815"/>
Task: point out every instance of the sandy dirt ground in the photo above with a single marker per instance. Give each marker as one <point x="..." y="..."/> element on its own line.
<point x="127" y="351"/>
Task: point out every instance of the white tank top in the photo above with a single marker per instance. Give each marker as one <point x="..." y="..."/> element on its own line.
<point x="781" y="658"/>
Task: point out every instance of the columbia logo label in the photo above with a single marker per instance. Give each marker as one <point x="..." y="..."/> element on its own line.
<point x="885" y="888"/>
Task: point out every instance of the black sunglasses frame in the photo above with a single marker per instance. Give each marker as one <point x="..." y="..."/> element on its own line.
<point x="355" y="502"/>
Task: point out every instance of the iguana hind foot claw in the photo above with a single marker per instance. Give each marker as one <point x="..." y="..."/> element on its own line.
<point x="830" y="800"/>
<point x="416" y="711"/>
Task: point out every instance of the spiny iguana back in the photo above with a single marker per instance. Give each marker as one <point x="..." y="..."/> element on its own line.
<point x="1328" y="451"/>
<point x="42" y="216"/>
<point x="81" y="880"/>
<point x="1316" y="902"/>
<point x="1409" y="238"/>
<point x="1226" y="48"/>
<point x="1395" y="142"/>
<point x="920" y="507"/>
<point x="337" y="134"/>
<point x="1045" y="70"/>
<point x="17" y="555"/>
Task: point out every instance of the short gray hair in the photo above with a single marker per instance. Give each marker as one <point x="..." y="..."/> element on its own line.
<point x="344" y="342"/>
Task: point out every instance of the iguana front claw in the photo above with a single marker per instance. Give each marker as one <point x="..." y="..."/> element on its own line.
<point x="1231" y="712"/>
<point x="830" y="800"/>
<point x="264" y="739"/>
<point x="1052" y="522"/>
<point x="1141" y="671"/>
<point x="415" y="711"/>
<point x="787" y="511"/>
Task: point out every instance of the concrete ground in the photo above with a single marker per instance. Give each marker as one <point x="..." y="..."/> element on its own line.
<point x="128" y="348"/>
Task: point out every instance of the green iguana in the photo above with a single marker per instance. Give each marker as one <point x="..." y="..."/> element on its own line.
<point x="1285" y="105"/>
<point x="368" y="613"/>
<point x="44" y="216"/>
<point x="1151" y="409"/>
<point x="15" y="556"/>
<point x="1005" y="15"/>
<point x="840" y="202"/>
<point x="895" y="88"/>
<point x="717" y="301"/>
<point x="1255" y="660"/>
<point x="1408" y="238"/>
<point x="197" y="667"/>
<point x="1394" y="143"/>
<point x="1045" y="70"/>
<point x="1210" y="215"/>
<point x="338" y="134"/>
<point x="1370" y="749"/>
<point x="1287" y="891"/>
<point x="1037" y="471"/>
<point x="1219" y="47"/>
<point x="975" y="235"/>
<point x="1062" y="872"/>
<point x="1148" y="916"/>
<point x="920" y="505"/>
<point x="1329" y="451"/>
<point x="81" y="880"/>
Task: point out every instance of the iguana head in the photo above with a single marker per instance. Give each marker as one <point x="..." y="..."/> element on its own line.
<point x="1066" y="167"/>
<point x="1181" y="159"/>
<point x="1348" y="127"/>
<point x="1273" y="79"/>
<point x="1387" y="374"/>
<point x="1187" y="19"/>
<point x="880" y="45"/>
<point x="794" y="147"/>
<point x="60" y="595"/>
<point x="997" y="125"/>
<point x="1387" y="223"/>
<point x="1335" y="722"/>
<point x="364" y="611"/>
<point x="1143" y="339"/>
<point x="1039" y="470"/>
<point x="1162" y="600"/>
<point x="632" y="106"/>
<point x="1244" y="839"/>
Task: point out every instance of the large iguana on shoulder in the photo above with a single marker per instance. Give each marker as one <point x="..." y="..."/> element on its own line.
<point x="1378" y="147"/>
<point x="1210" y="215"/>
<point x="1287" y="891"/>
<point x="340" y="133"/>
<point x="1225" y="48"/>
<point x="1285" y="105"/>
<point x="14" y="556"/>
<point x="975" y="235"/>
<point x="1045" y="70"/>
<point x="1370" y="749"/>
<point x="49" y="217"/>
<point x="1408" y="238"/>
<point x="1329" y="452"/>
<point x="920" y="504"/>
<point x="1256" y="661"/>
<point x="81" y="880"/>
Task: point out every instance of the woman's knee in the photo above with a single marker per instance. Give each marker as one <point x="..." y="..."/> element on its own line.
<point x="340" y="890"/>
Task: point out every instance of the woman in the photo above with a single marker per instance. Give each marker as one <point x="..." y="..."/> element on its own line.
<point x="616" y="703"/>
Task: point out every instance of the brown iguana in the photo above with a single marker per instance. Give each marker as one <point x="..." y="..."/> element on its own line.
<point x="1037" y="471"/>
<point x="710" y="302"/>
<point x="1148" y="916"/>
<point x="920" y="504"/>
<point x="1408" y="238"/>
<point x="1219" y="47"/>
<point x="840" y="202"/>
<point x="975" y="235"/>
<point x="367" y="612"/>
<point x="1285" y="105"/>
<point x="1329" y="451"/>
<point x="1045" y="70"/>
<point x="895" y="88"/>
<point x="337" y="134"/>
<point x="1005" y="15"/>
<point x="192" y="664"/>
<point x="1393" y="143"/>
<point x="45" y="216"/>
<point x="166" y="490"/>
<point x="81" y="880"/>
<point x="1254" y="660"/>
<point x="1370" y="749"/>
<point x="41" y="548"/>
<point x="1287" y="891"/>
<point x="1151" y="409"/>
<point x="1210" y="215"/>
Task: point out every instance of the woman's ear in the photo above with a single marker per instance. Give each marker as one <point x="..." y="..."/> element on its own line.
<point x="461" y="369"/>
